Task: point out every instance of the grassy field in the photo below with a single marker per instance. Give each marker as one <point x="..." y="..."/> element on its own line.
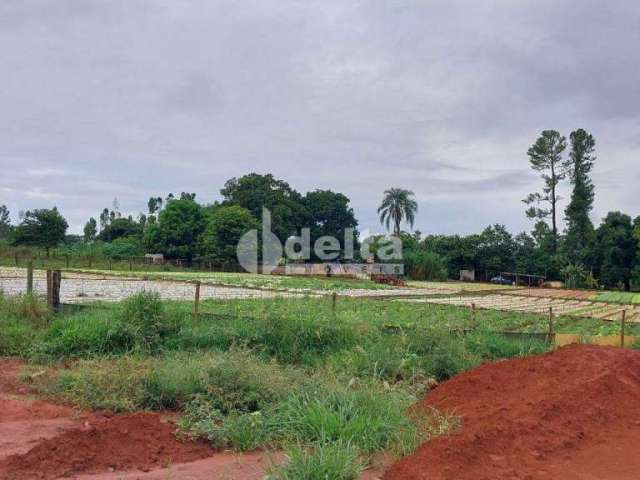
<point x="329" y="386"/>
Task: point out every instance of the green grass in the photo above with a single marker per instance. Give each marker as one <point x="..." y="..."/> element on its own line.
<point x="330" y="387"/>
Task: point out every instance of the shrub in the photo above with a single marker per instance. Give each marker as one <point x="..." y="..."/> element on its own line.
<point x="145" y="313"/>
<point x="425" y="265"/>
<point x="239" y="431"/>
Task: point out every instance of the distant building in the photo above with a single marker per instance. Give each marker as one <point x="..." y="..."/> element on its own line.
<point x="467" y="275"/>
<point x="155" y="258"/>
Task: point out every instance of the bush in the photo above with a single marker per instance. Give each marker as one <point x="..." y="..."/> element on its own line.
<point x="239" y="431"/>
<point x="145" y="314"/>
<point x="425" y="265"/>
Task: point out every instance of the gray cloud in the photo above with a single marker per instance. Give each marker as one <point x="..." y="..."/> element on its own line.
<point x="129" y="98"/>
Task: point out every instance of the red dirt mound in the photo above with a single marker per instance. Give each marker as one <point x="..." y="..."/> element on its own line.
<point x="570" y="414"/>
<point x="140" y="441"/>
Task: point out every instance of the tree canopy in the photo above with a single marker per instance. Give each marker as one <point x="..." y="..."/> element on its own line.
<point x="398" y="205"/>
<point x="43" y="227"/>
<point x="545" y="157"/>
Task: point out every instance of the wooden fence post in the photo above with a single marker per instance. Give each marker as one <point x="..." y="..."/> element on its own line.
<point x="334" y="298"/>
<point x="130" y="265"/>
<point x="17" y="259"/>
<point x="196" y="302"/>
<point x="473" y="317"/>
<point x="550" y="324"/>
<point x="622" y="323"/>
<point x="67" y="260"/>
<point x="56" y="280"/>
<point x="49" y="288"/>
<point x="30" y="278"/>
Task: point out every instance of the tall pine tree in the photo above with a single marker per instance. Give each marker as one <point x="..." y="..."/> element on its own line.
<point x="545" y="156"/>
<point x="580" y="231"/>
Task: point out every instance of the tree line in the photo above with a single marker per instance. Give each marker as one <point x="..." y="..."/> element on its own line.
<point x="180" y="227"/>
<point x="581" y="255"/>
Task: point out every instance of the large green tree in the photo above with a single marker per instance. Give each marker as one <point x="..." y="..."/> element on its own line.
<point x="90" y="230"/>
<point x="120" y="227"/>
<point x="43" y="227"/>
<point x="330" y="214"/>
<point x="225" y="225"/>
<point x="397" y="205"/>
<point x="545" y="157"/>
<point x="495" y="250"/>
<point x="580" y="232"/>
<point x="615" y="250"/>
<point x="255" y="192"/>
<point x="177" y="230"/>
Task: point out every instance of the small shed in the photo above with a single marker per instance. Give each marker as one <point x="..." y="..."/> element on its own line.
<point x="467" y="275"/>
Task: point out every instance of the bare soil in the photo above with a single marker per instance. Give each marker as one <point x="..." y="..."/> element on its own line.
<point x="40" y="440"/>
<point x="570" y="414"/>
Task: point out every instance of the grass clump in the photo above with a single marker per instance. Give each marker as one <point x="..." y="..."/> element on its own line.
<point x="16" y="336"/>
<point x="140" y="323"/>
<point x="234" y="381"/>
<point x="339" y="461"/>
<point x="115" y="384"/>
<point x="289" y="339"/>
<point x="24" y="307"/>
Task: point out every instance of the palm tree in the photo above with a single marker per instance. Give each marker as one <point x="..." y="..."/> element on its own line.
<point x="397" y="205"/>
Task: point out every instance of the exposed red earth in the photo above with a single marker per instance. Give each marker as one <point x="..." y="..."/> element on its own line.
<point x="40" y="440"/>
<point x="570" y="414"/>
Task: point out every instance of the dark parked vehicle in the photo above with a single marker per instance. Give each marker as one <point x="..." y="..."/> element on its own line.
<point x="500" y="280"/>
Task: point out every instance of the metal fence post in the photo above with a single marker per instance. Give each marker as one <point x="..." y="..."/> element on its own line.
<point x="550" y="324"/>
<point x="623" y="320"/>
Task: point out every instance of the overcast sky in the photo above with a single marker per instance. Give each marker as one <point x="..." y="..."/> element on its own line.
<point x="128" y="99"/>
